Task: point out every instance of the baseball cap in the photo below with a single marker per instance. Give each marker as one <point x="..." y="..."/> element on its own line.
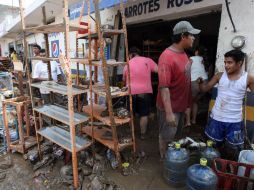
<point x="185" y="26"/>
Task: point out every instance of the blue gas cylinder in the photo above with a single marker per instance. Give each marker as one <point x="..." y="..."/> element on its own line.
<point x="175" y="166"/>
<point x="210" y="153"/>
<point x="200" y="176"/>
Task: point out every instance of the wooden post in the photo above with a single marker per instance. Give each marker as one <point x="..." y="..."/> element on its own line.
<point x="77" y="44"/>
<point x="47" y="51"/>
<point x="6" y="126"/>
<point x="106" y="79"/>
<point x="20" y="127"/>
<point x="90" y="68"/>
<point x="25" y="46"/>
<point x="70" y="99"/>
<point x="115" y="46"/>
<point x="46" y="43"/>
<point x="128" y="78"/>
<point x="96" y="67"/>
<point x="38" y="138"/>
<point x="27" y="119"/>
<point x="28" y="69"/>
<point x="78" y="73"/>
<point x="20" y="79"/>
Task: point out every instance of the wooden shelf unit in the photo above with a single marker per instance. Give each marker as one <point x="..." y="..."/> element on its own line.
<point x="29" y="142"/>
<point x="95" y="110"/>
<point x="64" y="138"/>
<point x="82" y="61"/>
<point x="68" y="139"/>
<point x="99" y="89"/>
<point x="105" y="33"/>
<point x="25" y="141"/>
<point x="60" y="27"/>
<point x="58" y="88"/>
<point x="61" y="114"/>
<point x="98" y="135"/>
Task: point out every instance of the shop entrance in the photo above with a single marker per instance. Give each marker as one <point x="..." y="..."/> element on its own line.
<point x="153" y="37"/>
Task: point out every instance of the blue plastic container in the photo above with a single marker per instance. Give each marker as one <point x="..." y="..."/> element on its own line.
<point x="175" y="166"/>
<point x="210" y="153"/>
<point x="201" y="177"/>
<point x="11" y="120"/>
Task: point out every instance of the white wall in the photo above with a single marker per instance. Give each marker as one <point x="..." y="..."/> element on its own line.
<point x="35" y="38"/>
<point x="242" y="14"/>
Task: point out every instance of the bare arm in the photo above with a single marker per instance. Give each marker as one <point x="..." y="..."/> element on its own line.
<point x="251" y="83"/>
<point x="165" y="95"/>
<point x="206" y="87"/>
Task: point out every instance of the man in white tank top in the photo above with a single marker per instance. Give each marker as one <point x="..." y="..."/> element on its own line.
<point x="226" y="122"/>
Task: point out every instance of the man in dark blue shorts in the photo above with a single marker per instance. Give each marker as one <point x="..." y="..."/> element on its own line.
<point x="226" y="122"/>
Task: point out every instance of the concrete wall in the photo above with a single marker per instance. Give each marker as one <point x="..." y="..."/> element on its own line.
<point x="242" y="14"/>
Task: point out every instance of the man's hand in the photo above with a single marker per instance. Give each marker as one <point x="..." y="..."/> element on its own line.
<point x="171" y="119"/>
<point x="200" y="80"/>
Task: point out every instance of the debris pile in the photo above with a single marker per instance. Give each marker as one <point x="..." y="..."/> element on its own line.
<point x="5" y="165"/>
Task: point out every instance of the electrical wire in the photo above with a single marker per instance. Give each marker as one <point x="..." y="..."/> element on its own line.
<point x="230" y="16"/>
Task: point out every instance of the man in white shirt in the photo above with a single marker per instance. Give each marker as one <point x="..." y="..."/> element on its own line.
<point x="225" y="125"/>
<point x="41" y="74"/>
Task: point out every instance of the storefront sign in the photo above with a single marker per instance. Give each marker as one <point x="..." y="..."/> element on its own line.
<point x="179" y="3"/>
<point x="142" y="8"/>
<point x="150" y="6"/>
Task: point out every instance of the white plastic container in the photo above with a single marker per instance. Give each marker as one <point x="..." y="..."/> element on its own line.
<point x="247" y="157"/>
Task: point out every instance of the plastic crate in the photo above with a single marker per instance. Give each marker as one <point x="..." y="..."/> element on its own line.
<point x="228" y="179"/>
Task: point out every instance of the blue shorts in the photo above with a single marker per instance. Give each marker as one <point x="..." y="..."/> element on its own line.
<point x="220" y="131"/>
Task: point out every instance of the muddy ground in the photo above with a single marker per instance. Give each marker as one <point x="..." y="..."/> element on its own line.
<point x="147" y="175"/>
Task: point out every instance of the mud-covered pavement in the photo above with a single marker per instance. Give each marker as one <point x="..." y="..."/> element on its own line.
<point x="145" y="172"/>
<point x="20" y="175"/>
